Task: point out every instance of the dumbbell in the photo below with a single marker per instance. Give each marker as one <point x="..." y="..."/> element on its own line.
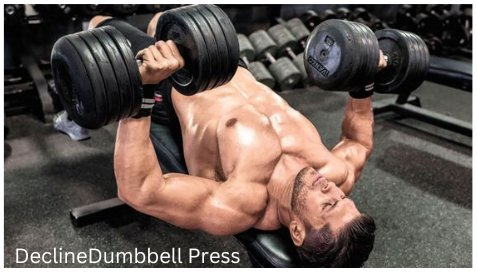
<point x="286" y="45"/>
<point x="361" y="15"/>
<point x="282" y="69"/>
<point x="125" y="9"/>
<point x="258" y="69"/>
<point x="344" y="56"/>
<point x="13" y="14"/>
<point x="97" y="76"/>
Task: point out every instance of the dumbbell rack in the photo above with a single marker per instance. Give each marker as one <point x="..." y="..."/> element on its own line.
<point x="410" y="106"/>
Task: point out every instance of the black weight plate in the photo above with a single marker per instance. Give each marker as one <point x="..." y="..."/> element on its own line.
<point x="73" y="84"/>
<point x="131" y="65"/>
<point x="120" y="72"/>
<point x="107" y="73"/>
<point x="173" y="25"/>
<point x="361" y="65"/>
<point x="85" y="102"/>
<point x="399" y="48"/>
<point x="212" y="51"/>
<point x="229" y="34"/>
<point x="206" y="74"/>
<point x="133" y="93"/>
<point x="341" y="55"/>
<point x="329" y="55"/>
<point x="420" y="62"/>
<point x="415" y="59"/>
<point x="370" y="61"/>
<point x="95" y="78"/>
<point x="221" y="55"/>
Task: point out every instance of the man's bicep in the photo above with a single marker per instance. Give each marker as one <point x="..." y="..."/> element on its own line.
<point x="175" y="198"/>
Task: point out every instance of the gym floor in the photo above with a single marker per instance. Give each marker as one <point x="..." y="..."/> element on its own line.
<point x="417" y="185"/>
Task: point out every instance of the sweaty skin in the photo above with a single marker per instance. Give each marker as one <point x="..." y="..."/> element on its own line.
<point x="243" y="146"/>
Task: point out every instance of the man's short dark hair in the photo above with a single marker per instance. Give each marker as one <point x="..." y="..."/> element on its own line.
<point x="350" y="248"/>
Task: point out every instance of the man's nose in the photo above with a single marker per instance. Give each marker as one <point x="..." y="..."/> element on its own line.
<point x="327" y="186"/>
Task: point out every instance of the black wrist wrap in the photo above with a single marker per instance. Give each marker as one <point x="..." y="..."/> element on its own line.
<point x="147" y="101"/>
<point x="367" y="91"/>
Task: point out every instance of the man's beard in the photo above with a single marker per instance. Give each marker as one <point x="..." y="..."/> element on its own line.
<point x="299" y="193"/>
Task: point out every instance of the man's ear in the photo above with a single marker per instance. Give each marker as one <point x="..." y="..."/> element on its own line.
<point x="297" y="232"/>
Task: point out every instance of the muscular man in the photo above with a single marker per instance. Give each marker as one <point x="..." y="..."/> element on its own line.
<point x="253" y="162"/>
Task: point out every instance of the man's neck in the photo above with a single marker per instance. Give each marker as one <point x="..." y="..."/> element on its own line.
<point x="284" y="210"/>
<point x="284" y="192"/>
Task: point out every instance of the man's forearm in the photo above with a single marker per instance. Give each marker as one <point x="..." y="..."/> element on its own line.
<point x="134" y="157"/>
<point x="358" y="122"/>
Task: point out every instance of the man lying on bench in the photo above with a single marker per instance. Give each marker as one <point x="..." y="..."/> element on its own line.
<point x="253" y="161"/>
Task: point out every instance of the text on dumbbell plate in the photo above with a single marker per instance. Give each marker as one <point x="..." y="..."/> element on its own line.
<point x="317" y="65"/>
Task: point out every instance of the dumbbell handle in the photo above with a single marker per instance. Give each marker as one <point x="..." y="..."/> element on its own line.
<point x="291" y="53"/>
<point x="269" y="57"/>
<point x="139" y="62"/>
<point x="246" y="61"/>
